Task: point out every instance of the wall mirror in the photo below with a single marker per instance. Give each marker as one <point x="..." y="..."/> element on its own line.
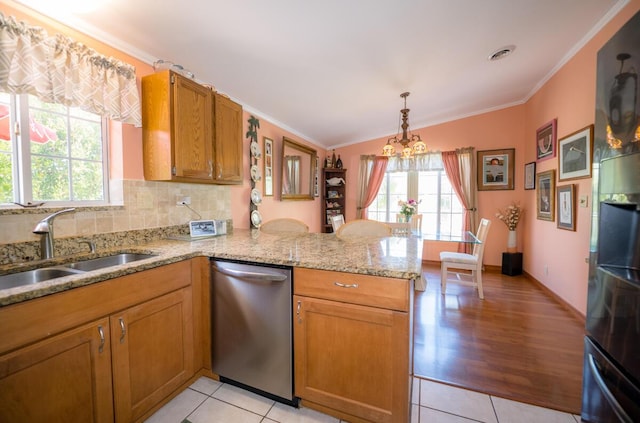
<point x="297" y="171"/>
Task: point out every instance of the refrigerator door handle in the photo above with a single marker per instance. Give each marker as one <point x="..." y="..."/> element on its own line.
<point x="266" y="277"/>
<point x="617" y="408"/>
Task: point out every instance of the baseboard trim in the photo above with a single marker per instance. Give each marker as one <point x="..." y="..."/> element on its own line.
<point x="487" y="267"/>
<point x="559" y="299"/>
<point x="498" y="269"/>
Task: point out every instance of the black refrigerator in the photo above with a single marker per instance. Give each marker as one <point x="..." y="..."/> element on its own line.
<point x="611" y="375"/>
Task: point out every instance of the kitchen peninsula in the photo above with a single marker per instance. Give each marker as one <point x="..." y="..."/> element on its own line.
<point x="376" y="306"/>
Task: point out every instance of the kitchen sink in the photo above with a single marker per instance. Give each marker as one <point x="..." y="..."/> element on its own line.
<point x="102" y="262"/>
<point x="46" y="273"/>
<point x="34" y="276"/>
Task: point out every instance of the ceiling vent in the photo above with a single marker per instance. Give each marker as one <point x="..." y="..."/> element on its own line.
<point x="501" y="53"/>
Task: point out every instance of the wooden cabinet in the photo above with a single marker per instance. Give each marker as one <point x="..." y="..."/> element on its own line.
<point x="227" y="140"/>
<point x="352" y="344"/>
<point x="152" y="348"/>
<point x="139" y="345"/>
<point x="333" y="197"/>
<point x="183" y="138"/>
<point x="66" y="378"/>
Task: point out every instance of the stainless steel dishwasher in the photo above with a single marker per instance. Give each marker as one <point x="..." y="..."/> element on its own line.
<point x="251" y="342"/>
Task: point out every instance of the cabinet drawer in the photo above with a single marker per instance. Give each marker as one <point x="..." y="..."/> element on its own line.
<point x="375" y="291"/>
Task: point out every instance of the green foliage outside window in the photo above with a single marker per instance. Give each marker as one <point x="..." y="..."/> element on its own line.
<point x="66" y="155"/>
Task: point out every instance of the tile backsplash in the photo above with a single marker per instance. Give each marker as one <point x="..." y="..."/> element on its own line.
<point x="145" y="205"/>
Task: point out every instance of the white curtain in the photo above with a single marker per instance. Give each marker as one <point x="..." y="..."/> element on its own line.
<point x="431" y="160"/>
<point x="57" y="69"/>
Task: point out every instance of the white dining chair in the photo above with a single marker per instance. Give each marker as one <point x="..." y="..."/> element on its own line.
<point x="337" y="221"/>
<point x="416" y="223"/>
<point x="285" y="224"/>
<point x="462" y="261"/>
<point x="363" y="227"/>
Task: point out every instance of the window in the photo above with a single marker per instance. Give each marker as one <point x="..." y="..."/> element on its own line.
<point x="440" y="208"/>
<point x="56" y="155"/>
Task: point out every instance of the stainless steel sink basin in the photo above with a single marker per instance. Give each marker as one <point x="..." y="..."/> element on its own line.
<point x="102" y="262"/>
<point x="46" y="273"/>
<point x="34" y="276"/>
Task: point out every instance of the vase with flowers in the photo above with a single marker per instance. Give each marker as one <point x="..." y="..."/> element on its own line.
<point x="408" y="208"/>
<point x="511" y="216"/>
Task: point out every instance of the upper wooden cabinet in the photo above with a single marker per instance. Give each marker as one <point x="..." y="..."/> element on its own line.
<point x="227" y="147"/>
<point x="189" y="133"/>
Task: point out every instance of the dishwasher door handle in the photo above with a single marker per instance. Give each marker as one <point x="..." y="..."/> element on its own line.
<point x="256" y="276"/>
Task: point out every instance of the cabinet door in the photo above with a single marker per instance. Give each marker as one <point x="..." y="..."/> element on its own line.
<point x="152" y="348"/>
<point x="228" y="140"/>
<point x="353" y="359"/>
<point x="192" y="130"/>
<point x="66" y="378"/>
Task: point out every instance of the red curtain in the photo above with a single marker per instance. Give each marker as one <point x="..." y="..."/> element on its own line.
<point x="452" y="169"/>
<point x="373" y="185"/>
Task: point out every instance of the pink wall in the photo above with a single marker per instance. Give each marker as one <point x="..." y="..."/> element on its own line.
<point x="272" y="207"/>
<point x="495" y="130"/>
<point x="568" y="96"/>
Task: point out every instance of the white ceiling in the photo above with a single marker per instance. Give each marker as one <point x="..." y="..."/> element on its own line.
<point x="332" y="71"/>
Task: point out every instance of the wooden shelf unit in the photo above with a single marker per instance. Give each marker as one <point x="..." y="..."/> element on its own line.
<point x="333" y="197"/>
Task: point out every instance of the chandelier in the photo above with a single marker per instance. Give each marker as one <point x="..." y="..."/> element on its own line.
<point x="419" y="147"/>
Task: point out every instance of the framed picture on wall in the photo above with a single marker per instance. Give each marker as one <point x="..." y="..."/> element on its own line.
<point x="546" y="141"/>
<point x="530" y="175"/>
<point x="566" y="207"/>
<point x="575" y="155"/>
<point x="495" y="169"/>
<point x="545" y="195"/>
<point x="268" y="166"/>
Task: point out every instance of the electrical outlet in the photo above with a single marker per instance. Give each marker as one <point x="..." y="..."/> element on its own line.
<point x="546" y="270"/>
<point x="182" y="200"/>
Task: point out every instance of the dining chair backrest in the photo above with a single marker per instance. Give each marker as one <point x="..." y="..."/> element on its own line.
<point x="337" y="221"/>
<point x="285" y="224"/>
<point x="483" y="231"/>
<point x="363" y="227"/>
<point x="416" y="223"/>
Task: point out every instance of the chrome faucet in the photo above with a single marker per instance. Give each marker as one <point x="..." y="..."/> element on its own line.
<point x="44" y="228"/>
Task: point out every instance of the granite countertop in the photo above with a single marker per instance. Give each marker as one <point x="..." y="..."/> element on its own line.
<point x="395" y="257"/>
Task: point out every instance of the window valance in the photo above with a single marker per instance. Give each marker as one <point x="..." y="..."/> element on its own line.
<point x="431" y="160"/>
<point x="57" y="69"/>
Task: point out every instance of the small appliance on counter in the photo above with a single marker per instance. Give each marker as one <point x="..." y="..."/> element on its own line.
<point x="203" y="229"/>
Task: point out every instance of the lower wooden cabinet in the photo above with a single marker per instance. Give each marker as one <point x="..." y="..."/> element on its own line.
<point x="66" y="378"/>
<point x="152" y="347"/>
<point x="352" y="360"/>
<point x="115" y="368"/>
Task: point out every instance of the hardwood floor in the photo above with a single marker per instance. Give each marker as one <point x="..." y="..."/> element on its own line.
<point x="518" y="343"/>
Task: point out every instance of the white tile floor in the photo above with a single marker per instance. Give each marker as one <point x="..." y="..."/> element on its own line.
<point x="209" y="401"/>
